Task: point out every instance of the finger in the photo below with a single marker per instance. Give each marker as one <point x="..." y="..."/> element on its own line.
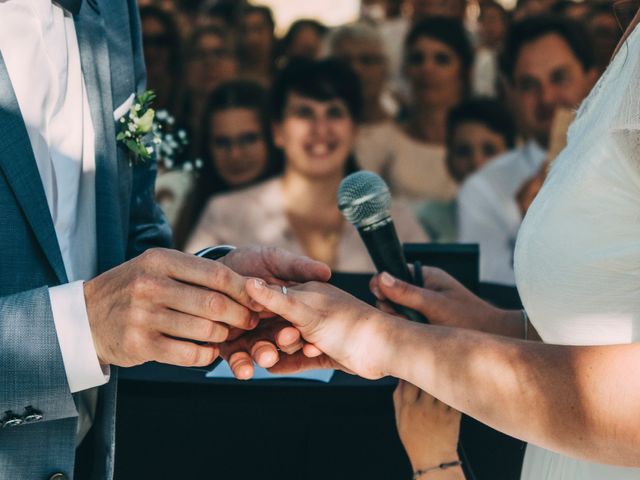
<point x="311" y="351"/>
<point x="398" y="395"/>
<point x="183" y="353"/>
<point x="295" y="268"/>
<point x="264" y="353"/>
<point x="374" y="286"/>
<point x="437" y="279"/>
<point x="198" y="271"/>
<point x="288" y="306"/>
<point x="241" y="365"/>
<point x="299" y="363"/>
<point x="208" y="304"/>
<point x="403" y="293"/>
<point x="289" y="340"/>
<point x="177" y="324"/>
<point x="410" y="393"/>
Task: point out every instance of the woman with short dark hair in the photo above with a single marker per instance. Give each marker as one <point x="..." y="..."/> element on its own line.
<point x="315" y="109"/>
<point x="438" y="59"/>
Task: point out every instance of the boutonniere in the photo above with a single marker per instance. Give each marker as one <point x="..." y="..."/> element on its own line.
<point x="136" y="129"/>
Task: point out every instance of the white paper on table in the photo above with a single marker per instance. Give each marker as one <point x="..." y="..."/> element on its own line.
<point x="224" y="371"/>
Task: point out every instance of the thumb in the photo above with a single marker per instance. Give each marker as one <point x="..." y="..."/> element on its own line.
<point x="403" y="293"/>
<point x="284" y="302"/>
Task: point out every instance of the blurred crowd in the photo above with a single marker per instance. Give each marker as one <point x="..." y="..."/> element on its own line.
<point x="460" y="105"/>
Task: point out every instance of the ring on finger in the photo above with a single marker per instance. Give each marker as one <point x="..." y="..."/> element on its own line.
<point x="284" y="290"/>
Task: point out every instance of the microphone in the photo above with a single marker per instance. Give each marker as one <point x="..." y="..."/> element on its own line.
<point x="365" y="201"/>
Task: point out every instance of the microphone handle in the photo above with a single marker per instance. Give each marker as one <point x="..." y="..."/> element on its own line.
<point x="386" y="252"/>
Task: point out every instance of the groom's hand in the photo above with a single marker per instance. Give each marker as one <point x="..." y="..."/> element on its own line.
<point x="144" y="309"/>
<point x="275" y="265"/>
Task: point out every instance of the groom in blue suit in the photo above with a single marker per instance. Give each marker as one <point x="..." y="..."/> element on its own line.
<point x="77" y="294"/>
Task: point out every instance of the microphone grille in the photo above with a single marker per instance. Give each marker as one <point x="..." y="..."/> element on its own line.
<point x="364" y="198"/>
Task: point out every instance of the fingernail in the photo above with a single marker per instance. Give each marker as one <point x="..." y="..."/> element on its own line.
<point x="387" y="279"/>
<point x="259" y="284"/>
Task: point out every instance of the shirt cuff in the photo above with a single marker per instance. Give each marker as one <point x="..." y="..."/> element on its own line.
<point x="79" y="355"/>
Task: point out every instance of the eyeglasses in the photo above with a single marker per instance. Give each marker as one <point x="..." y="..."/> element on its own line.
<point x="244" y="141"/>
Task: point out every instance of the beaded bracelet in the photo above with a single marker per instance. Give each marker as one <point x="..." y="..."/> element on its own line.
<point x="443" y="466"/>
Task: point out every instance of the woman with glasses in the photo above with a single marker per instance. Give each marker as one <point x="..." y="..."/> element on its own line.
<point x="438" y="58"/>
<point x="315" y="109"/>
<point x="236" y="148"/>
<point x="210" y="60"/>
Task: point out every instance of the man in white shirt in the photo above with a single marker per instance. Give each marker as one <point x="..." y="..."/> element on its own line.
<point x="548" y="63"/>
<point x="72" y="206"/>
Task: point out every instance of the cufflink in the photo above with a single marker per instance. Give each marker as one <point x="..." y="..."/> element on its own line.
<point x="32" y="414"/>
<point x="10" y="419"/>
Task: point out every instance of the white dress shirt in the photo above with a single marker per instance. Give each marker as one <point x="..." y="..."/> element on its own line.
<point x="40" y="49"/>
<point x="488" y="212"/>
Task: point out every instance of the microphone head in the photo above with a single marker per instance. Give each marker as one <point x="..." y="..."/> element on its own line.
<point x="364" y="198"/>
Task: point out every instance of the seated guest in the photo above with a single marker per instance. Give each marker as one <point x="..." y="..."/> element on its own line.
<point x="257" y="44"/>
<point x="548" y="63"/>
<point x="493" y="24"/>
<point x="437" y="64"/>
<point x="210" y="57"/>
<point x="477" y="131"/>
<point x="315" y="109"/>
<point x="360" y="45"/>
<point x="302" y="40"/>
<point x="236" y="148"/>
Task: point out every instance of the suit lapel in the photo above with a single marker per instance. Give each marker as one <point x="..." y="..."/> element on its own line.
<point x="19" y="166"/>
<point x="96" y="69"/>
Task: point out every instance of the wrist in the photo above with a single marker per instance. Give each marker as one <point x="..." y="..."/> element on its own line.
<point x="88" y="288"/>
<point x="399" y="336"/>
<point x="387" y="331"/>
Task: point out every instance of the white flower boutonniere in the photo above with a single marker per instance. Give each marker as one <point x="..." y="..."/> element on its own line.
<point x="136" y="129"/>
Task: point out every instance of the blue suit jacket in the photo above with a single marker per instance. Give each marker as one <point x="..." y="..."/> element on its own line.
<point x="128" y="222"/>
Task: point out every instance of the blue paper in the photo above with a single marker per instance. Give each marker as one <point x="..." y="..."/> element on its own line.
<point x="224" y="371"/>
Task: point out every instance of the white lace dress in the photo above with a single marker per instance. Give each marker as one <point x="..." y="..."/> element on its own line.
<point x="577" y="256"/>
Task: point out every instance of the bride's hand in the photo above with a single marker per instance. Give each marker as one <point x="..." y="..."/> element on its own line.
<point x="352" y="335"/>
